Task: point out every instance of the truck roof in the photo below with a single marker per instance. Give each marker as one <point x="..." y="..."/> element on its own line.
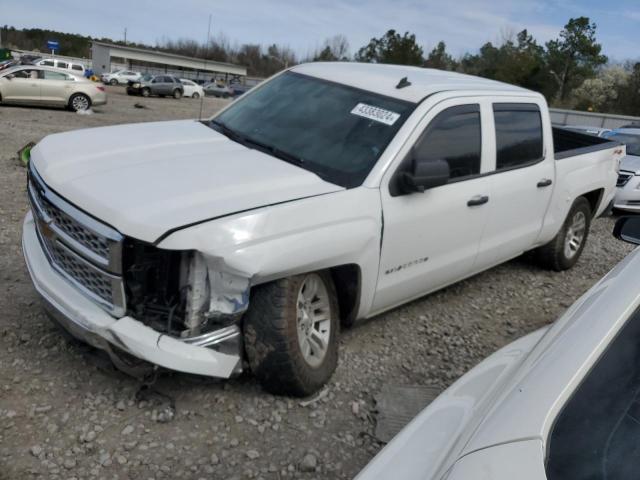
<point x="383" y="78"/>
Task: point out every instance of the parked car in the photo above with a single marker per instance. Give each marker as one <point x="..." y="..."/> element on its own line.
<point x="597" y="131"/>
<point x="37" y="85"/>
<point x="239" y="89"/>
<point x="192" y="89"/>
<point x="628" y="191"/>
<point x="215" y="90"/>
<point x="77" y="68"/>
<point x="330" y="193"/>
<point x="161" y="85"/>
<point x="29" y="59"/>
<point x="557" y="404"/>
<point x="120" y="77"/>
<point x="7" y="64"/>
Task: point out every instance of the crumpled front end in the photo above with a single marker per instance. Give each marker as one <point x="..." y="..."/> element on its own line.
<point x="179" y="336"/>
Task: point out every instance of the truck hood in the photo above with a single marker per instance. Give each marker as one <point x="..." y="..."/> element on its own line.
<point x="630" y="163"/>
<point x="146" y="179"/>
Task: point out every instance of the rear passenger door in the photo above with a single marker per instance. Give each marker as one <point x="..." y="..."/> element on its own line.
<point x="56" y="87"/>
<point x="431" y="239"/>
<point x="521" y="180"/>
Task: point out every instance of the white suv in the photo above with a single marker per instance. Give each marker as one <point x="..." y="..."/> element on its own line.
<point x="77" y="68"/>
<point x="121" y="77"/>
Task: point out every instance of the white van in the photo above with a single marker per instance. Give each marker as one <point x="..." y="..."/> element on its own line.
<point x="78" y="68"/>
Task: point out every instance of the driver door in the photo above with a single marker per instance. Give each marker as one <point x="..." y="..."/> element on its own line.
<point x="23" y="87"/>
<point x="431" y="239"/>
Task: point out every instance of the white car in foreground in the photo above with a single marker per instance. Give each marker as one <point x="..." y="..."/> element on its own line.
<point x="192" y="89"/>
<point x="562" y="403"/>
<point x="628" y="191"/>
<point x="330" y="193"/>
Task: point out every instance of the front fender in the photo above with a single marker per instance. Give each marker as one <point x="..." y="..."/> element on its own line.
<point x="296" y="237"/>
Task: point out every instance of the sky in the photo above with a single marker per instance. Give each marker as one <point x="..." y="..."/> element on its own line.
<point x="303" y="25"/>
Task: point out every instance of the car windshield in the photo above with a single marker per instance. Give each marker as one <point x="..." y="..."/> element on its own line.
<point x="596" y="433"/>
<point x="631" y="141"/>
<point x="146" y="77"/>
<point x="335" y="131"/>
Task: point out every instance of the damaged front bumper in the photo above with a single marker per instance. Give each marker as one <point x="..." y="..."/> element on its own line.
<point x="214" y="354"/>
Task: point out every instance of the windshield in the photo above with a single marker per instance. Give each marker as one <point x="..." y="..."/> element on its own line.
<point x="333" y="130"/>
<point x="631" y="141"/>
<point x="146" y="77"/>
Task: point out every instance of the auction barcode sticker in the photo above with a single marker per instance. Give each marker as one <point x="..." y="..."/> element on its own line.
<point x="375" y="113"/>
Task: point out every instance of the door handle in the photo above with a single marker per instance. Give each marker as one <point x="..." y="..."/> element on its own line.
<point x="545" y="182"/>
<point x="478" y="200"/>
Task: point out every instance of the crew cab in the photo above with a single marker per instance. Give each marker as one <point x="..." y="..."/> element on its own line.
<point x="330" y="193"/>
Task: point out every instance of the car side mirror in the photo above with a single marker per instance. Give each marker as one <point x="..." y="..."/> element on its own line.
<point x="627" y="229"/>
<point x="425" y="174"/>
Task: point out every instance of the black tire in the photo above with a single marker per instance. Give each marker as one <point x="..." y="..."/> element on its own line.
<point x="177" y="94"/>
<point x="79" y="101"/>
<point x="146" y="92"/>
<point x="113" y="82"/>
<point x="195" y="95"/>
<point x="271" y="338"/>
<point x="225" y="95"/>
<point x="553" y="255"/>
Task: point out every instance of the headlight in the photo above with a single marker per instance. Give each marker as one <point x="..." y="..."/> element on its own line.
<point x="136" y="85"/>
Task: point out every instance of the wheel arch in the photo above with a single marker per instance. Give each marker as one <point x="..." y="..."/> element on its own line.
<point x="594" y="198"/>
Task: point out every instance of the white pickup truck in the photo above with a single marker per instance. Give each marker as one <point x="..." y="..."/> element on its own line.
<point x="330" y="193"/>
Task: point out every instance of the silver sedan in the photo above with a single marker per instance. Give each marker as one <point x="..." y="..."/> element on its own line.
<point x="38" y="85"/>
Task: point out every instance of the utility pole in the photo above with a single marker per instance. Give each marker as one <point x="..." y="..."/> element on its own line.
<point x="204" y="67"/>
<point x="125" y="35"/>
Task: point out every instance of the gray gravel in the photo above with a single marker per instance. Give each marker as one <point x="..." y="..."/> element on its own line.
<point x="65" y="413"/>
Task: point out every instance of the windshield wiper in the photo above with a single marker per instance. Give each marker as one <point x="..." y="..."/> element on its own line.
<point x="249" y="142"/>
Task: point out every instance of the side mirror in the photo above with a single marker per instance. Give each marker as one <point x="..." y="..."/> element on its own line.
<point x="627" y="229"/>
<point x="425" y="174"/>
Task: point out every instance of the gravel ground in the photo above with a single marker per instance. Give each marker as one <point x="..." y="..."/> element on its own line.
<point x="65" y="413"/>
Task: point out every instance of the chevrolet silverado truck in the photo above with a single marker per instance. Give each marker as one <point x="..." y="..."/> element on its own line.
<point x="330" y="193"/>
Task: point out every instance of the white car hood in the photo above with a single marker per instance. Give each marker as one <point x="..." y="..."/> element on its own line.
<point x="146" y="179"/>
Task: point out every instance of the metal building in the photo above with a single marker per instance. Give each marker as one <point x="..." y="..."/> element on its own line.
<point x="108" y="57"/>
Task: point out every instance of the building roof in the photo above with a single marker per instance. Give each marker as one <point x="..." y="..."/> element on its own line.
<point x="382" y="79"/>
<point x="157" y="56"/>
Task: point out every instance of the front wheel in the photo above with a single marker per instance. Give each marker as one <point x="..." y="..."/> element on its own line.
<point x="146" y="92"/>
<point x="195" y="95"/>
<point x="113" y="82"/>
<point x="565" y="249"/>
<point x="291" y="333"/>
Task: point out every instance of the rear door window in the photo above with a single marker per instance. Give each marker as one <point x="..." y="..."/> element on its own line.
<point x="76" y="67"/>
<point x="454" y="135"/>
<point x="518" y="135"/>
<point x="47" y="63"/>
<point x="62" y="64"/>
<point x="55" y="75"/>
<point x="597" y="433"/>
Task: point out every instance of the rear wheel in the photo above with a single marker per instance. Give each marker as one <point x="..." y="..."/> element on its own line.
<point x="79" y="101"/>
<point x="177" y="93"/>
<point x="565" y="249"/>
<point x="291" y="333"/>
<point x="113" y="82"/>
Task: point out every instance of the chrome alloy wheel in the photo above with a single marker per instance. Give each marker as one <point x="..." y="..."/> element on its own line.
<point x="314" y="319"/>
<point x="80" y="102"/>
<point x="575" y="235"/>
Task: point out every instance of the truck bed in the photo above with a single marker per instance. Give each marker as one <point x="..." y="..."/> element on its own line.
<point x="567" y="143"/>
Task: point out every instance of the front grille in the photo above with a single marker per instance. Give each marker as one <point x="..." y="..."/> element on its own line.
<point x="623" y="178"/>
<point x="87" y="253"/>
<point x="77" y="231"/>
